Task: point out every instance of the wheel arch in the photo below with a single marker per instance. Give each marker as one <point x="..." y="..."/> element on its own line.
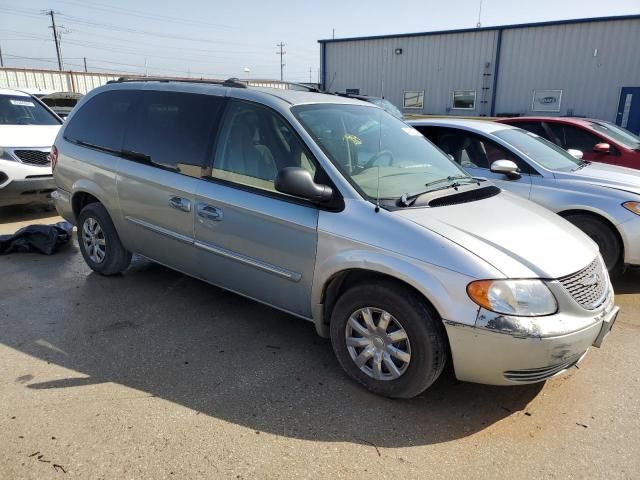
<point x="85" y="192"/>
<point x="597" y="216"/>
<point x="341" y="281"/>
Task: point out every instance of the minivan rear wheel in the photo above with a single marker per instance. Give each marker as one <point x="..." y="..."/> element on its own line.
<point x="99" y="242"/>
<point x="604" y="236"/>
<point x="388" y="339"/>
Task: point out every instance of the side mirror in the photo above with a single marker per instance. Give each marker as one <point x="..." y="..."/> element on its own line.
<point x="506" y="167"/>
<point x="575" y="153"/>
<point x="602" y="148"/>
<point x="299" y="182"/>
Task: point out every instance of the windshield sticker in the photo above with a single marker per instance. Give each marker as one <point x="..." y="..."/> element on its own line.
<point x="22" y="103"/>
<point x="412" y="131"/>
<point x="351" y="138"/>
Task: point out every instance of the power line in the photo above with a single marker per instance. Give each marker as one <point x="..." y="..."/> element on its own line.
<point x="281" y="53"/>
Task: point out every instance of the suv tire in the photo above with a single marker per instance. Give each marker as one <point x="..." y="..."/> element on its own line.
<point x="419" y="354"/>
<point x="99" y="242"/>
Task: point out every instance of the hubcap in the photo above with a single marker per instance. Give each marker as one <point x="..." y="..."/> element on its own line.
<point x="377" y="343"/>
<point x="93" y="240"/>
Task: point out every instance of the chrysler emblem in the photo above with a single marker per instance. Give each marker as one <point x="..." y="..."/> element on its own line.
<point x="591" y="280"/>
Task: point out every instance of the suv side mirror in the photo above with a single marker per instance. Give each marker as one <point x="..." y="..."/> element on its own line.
<point x="602" y="148"/>
<point x="506" y="167"/>
<point x="299" y="182"/>
<point x="575" y="153"/>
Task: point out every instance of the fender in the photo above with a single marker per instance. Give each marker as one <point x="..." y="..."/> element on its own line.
<point x="429" y="280"/>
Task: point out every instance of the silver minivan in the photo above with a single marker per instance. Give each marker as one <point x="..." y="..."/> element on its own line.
<point x="332" y="210"/>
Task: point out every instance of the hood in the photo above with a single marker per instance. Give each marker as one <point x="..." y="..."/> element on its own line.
<point x="611" y="176"/>
<point x="515" y="236"/>
<point x="35" y="136"/>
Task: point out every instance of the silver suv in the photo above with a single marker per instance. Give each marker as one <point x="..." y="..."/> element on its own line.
<point x="334" y="211"/>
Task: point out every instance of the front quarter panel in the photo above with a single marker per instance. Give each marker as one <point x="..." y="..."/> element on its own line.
<point x="359" y="238"/>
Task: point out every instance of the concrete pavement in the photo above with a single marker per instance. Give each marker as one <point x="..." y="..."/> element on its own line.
<point x="153" y="374"/>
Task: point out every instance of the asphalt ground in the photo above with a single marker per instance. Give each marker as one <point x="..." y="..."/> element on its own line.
<point x="153" y="374"/>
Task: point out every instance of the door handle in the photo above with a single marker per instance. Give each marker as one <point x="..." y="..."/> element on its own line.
<point x="180" y="203"/>
<point x="209" y="212"/>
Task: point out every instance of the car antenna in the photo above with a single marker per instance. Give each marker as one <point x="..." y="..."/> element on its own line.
<point x="377" y="209"/>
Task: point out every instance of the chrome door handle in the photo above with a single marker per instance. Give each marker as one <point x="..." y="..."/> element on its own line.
<point x="180" y="203"/>
<point x="209" y="212"/>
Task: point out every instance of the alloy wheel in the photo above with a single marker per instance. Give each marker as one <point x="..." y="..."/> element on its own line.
<point x="378" y="343"/>
<point x="94" y="241"/>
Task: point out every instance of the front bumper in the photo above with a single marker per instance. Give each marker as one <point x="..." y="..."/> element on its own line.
<point x="630" y="233"/>
<point x="28" y="190"/>
<point x="495" y="358"/>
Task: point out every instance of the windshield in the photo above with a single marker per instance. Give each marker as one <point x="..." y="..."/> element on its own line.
<point x="21" y="110"/>
<point x="388" y="106"/>
<point x="619" y="134"/>
<point x="540" y="150"/>
<point x="375" y="151"/>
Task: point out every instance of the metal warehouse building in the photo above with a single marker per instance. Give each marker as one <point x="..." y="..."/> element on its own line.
<point x="587" y="67"/>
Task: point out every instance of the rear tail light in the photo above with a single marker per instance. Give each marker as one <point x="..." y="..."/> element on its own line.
<point x="53" y="157"/>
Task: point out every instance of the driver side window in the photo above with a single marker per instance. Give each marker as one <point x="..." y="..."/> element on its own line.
<point x="254" y="145"/>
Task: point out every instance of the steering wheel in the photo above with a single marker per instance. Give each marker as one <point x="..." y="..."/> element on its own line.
<point x="377" y="156"/>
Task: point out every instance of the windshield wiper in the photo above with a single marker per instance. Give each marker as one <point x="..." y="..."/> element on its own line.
<point x="407" y="200"/>
<point x="450" y="178"/>
<point x="583" y="164"/>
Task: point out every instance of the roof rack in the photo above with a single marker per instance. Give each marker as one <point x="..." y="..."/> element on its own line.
<point x="230" y="82"/>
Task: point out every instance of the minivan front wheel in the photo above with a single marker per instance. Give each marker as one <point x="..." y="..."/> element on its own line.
<point x="388" y="339"/>
<point x="99" y="242"/>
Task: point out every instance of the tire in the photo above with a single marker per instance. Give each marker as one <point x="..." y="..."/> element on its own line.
<point x="425" y="339"/>
<point x="604" y="236"/>
<point x="114" y="258"/>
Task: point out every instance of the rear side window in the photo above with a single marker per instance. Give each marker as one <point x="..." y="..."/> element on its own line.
<point x="174" y="128"/>
<point x="573" y="137"/>
<point x="101" y="121"/>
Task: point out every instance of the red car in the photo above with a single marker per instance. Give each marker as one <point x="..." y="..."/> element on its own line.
<point x="599" y="141"/>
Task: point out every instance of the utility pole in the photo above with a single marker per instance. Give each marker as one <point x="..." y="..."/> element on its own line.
<point x="56" y="36"/>
<point x="281" y="53"/>
<point x="1" y="59"/>
<point x="310" y="70"/>
<point x="85" y="63"/>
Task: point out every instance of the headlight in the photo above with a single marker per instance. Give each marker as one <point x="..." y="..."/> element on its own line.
<point x="524" y="298"/>
<point x="632" y="207"/>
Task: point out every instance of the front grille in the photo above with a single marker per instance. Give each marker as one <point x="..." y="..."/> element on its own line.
<point x="539" y="374"/>
<point x="33" y="157"/>
<point x="589" y="286"/>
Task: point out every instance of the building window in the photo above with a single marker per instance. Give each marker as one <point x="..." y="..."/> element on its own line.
<point x="464" y="100"/>
<point x="414" y="99"/>
<point x="546" y="101"/>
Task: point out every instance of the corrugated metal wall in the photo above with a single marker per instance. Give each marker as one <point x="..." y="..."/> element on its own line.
<point x="52" y="80"/>
<point x="532" y="58"/>
<point x="437" y="64"/>
<point x="589" y="62"/>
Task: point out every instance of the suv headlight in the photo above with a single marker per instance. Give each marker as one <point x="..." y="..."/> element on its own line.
<point x="633" y="207"/>
<point x="524" y="298"/>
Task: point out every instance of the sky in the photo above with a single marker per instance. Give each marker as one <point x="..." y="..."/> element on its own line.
<point x="239" y="38"/>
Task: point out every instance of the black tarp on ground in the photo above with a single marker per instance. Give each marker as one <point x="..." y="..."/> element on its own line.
<point x="36" y="238"/>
